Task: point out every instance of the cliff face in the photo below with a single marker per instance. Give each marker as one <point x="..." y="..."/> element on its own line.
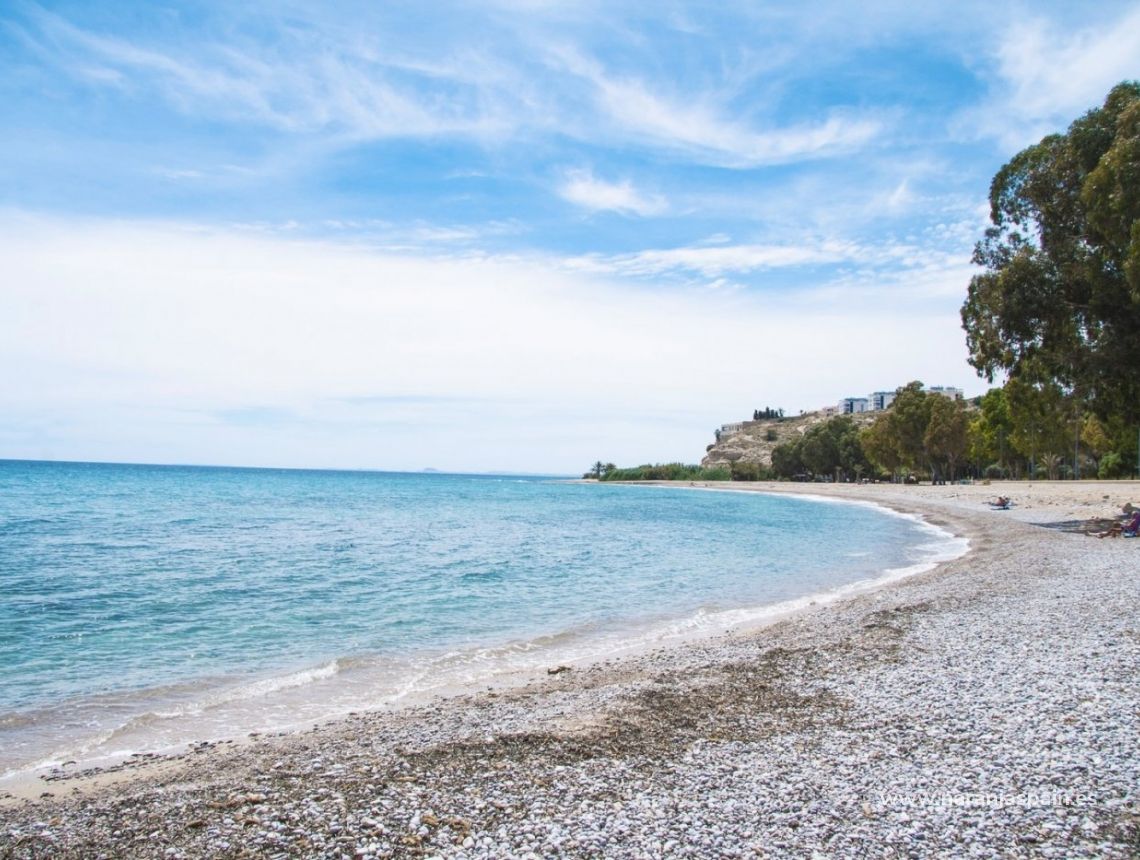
<point x="755" y="441"/>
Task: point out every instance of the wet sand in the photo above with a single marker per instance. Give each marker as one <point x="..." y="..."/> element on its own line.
<point x="989" y="707"/>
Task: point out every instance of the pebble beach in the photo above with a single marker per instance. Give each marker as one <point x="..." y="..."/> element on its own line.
<point x="987" y="708"/>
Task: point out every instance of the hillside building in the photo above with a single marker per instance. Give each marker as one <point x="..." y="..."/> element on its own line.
<point x="946" y="391"/>
<point x="727" y="430"/>
<point x="880" y="400"/>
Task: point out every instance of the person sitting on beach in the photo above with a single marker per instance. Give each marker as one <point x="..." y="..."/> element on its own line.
<point x="1127" y="528"/>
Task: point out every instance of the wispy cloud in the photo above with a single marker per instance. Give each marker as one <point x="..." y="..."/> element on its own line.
<point x="1048" y="75"/>
<point x="932" y="265"/>
<point x="583" y="189"/>
<point x="374" y="233"/>
<point x="715" y="261"/>
<point x="698" y="126"/>
<point x="301" y="82"/>
<point x="310" y="80"/>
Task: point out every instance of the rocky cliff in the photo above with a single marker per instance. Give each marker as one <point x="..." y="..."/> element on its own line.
<point x="754" y="442"/>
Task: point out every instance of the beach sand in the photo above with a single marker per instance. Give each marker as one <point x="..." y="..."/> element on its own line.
<point x="987" y="708"/>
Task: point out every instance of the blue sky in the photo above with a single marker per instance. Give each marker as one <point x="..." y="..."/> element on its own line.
<point x="504" y="235"/>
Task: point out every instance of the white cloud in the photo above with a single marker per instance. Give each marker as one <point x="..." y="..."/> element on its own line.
<point x="583" y="189"/>
<point x="1048" y="76"/>
<point x="168" y="343"/>
<point x="901" y="199"/>
<point x="929" y="270"/>
<point x="716" y="260"/>
<point x="314" y="79"/>
<point x="697" y="125"/>
<point x="306" y="83"/>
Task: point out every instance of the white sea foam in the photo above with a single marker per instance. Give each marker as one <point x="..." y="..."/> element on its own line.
<point x="332" y="689"/>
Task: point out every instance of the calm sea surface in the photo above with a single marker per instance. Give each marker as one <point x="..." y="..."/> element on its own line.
<point x="146" y="606"/>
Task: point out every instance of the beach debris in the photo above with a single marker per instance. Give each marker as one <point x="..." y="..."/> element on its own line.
<point x="558" y="670"/>
<point x="237" y="800"/>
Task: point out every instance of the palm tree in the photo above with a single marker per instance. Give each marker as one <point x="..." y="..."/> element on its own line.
<point x="1052" y="464"/>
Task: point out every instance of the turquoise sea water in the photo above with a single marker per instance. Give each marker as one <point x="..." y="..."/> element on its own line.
<point x="145" y="606"/>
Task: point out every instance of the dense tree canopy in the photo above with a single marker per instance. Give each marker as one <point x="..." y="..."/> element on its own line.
<point x="920" y="433"/>
<point x="945" y="440"/>
<point x="829" y="449"/>
<point x="1059" y="301"/>
<point x="908" y="419"/>
<point x="1025" y="429"/>
<point x="990" y="432"/>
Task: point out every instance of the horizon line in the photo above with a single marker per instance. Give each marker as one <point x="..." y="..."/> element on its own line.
<point x="427" y="470"/>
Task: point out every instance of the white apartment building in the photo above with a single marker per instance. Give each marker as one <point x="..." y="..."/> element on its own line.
<point x="877" y="401"/>
<point x="880" y="400"/>
<point x="946" y="391"/>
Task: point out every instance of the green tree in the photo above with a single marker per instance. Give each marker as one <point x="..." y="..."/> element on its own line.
<point x="1052" y="465"/>
<point x="1111" y="466"/>
<point x="831" y="448"/>
<point x="1059" y="299"/>
<point x="786" y="460"/>
<point x="945" y="437"/>
<point x="908" y="419"/>
<point x="819" y="452"/>
<point x="1039" y="413"/>
<point x="1095" y="439"/>
<point x="990" y="431"/>
<point x="741" y="471"/>
<point x="878" y="444"/>
<point x="853" y="459"/>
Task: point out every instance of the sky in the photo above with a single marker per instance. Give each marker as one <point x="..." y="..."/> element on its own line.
<point x="513" y="235"/>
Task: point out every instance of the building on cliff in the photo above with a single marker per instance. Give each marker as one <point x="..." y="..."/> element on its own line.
<point x="877" y="401"/>
<point x="946" y="391"/>
<point x="727" y="430"/>
<point x="753" y="441"/>
<point x="880" y="400"/>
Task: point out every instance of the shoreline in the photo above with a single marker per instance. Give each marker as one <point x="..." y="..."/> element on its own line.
<point x="165" y="724"/>
<point x="765" y="721"/>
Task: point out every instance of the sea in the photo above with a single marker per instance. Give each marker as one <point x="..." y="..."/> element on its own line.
<point x="146" y="607"/>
